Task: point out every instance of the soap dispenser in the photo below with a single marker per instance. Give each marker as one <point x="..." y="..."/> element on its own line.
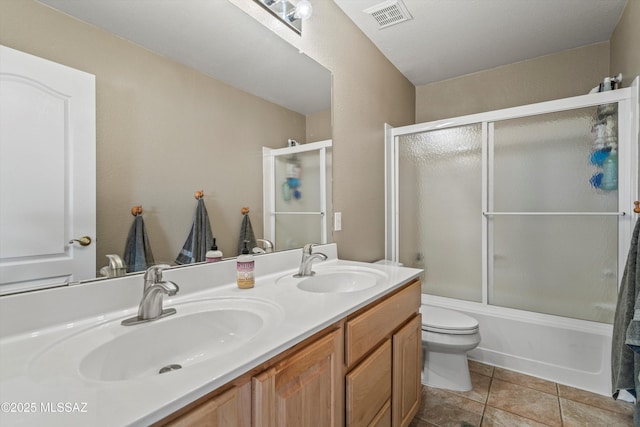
<point x="214" y="254"/>
<point x="244" y="267"/>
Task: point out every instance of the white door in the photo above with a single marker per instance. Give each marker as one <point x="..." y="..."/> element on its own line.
<point x="47" y="172"/>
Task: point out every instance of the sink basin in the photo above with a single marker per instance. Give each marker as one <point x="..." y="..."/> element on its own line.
<point x="201" y="330"/>
<point x="341" y="279"/>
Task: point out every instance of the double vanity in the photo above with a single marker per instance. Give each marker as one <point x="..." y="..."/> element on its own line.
<point x="340" y="347"/>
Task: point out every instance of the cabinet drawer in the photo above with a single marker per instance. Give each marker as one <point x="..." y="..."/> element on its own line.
<point x="366" y="330"/>
<point x="369" y="387"/>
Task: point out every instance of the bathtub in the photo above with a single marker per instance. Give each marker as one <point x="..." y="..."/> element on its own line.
<point x="573" y="352"/>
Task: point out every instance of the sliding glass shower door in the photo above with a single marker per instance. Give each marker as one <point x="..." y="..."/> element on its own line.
<point x="440" y="192"/>
<point x="526" y="208"/>
<point x="553" y="227"/>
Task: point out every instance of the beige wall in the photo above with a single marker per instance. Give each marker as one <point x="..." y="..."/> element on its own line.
<point x="163" y="132"/>
<point x="367" y="92"/>
<point x="625" y="44"/>
<point x="568" y="73"/>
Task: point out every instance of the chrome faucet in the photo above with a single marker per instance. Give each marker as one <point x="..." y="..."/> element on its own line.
<point x="307" y="260"/>
<point x="151" y="304"/>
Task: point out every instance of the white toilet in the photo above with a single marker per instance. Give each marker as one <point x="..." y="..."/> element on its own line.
<point x="447" y="335"/>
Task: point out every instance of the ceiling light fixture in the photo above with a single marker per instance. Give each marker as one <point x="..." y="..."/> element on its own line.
<point x="303" y="9"/>
<point x="290" y="14"/>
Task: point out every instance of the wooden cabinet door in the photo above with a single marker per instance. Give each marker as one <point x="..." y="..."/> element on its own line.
<point x="407" y="369"/>
<point x="369" y="388"/>
<point x="305" y="389"/>
<point x="231" y="408"/>
<point x="383" y="419"/>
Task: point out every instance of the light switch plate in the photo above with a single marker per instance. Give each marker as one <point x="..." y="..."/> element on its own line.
<point x="337" y="221"/>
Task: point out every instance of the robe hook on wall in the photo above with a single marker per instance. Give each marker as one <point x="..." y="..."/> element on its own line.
<point x="136" y="210"/>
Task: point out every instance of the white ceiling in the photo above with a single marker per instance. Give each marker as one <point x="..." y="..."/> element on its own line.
<point x="445" y="38"/>
<point x="450" y="38"/>
<point x="216" y="38"/>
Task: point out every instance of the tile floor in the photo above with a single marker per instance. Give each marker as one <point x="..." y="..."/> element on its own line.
<point x="505" y="398"/>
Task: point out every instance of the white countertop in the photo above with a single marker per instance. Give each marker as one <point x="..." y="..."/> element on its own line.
<point x="31" y="323"/>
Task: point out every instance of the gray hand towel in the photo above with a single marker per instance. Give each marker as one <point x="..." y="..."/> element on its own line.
<point x="246" y="233"/>
<point x="200" y="237"/>
<point x="137" y="252"/>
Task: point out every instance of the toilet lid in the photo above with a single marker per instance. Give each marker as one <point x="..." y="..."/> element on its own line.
<point x="438" y="319"/>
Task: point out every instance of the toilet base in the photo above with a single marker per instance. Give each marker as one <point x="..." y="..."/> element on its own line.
<point x="449" y="371"/>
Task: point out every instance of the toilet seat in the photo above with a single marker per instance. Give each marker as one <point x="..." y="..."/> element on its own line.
<point x="445" y="321"/>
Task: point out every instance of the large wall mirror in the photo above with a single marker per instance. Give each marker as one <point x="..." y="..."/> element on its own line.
<point x="187" y="95"/>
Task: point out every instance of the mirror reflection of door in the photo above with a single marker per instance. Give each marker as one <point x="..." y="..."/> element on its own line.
<point x="47" y="172"/>
<point x="296" y="194"/>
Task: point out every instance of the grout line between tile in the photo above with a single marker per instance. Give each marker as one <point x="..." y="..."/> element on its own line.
<point x="559" y="406"/>
<point x="484" y="408"/>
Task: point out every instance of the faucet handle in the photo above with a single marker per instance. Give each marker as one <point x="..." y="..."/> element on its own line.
<point x="153" y="274"/>
<point x="308" y="248"/>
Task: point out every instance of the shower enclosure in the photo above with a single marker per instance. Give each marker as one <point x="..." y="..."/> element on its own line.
<point x="297" y="194"/>
<point x="525" y="211"/>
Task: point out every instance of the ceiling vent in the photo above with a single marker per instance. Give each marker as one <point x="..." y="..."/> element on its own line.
<point x="389" y="12"/>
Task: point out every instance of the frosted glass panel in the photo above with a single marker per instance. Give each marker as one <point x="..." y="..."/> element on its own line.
<point x="562" y="265"/>
<point x="440" y="205"/>
<point x="297" y="181"/>
<point x="294" y="231"/>
<point x="300" y="206"/>
<point x="553" y="162"/>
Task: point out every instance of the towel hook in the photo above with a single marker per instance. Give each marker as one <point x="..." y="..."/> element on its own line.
<point x="136" y="210"/>
<point x="245" y="210"/>
<point x="637" y="208"/>
<point x="198" y="195"/>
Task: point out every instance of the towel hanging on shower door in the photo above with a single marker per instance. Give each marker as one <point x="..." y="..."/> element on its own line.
<point x="625" y="348"/>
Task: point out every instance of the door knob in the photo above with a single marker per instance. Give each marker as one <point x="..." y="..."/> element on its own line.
<point x="84" y="241"/>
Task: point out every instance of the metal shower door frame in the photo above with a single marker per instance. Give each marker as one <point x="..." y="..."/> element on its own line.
<point x="628" y="138"/>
